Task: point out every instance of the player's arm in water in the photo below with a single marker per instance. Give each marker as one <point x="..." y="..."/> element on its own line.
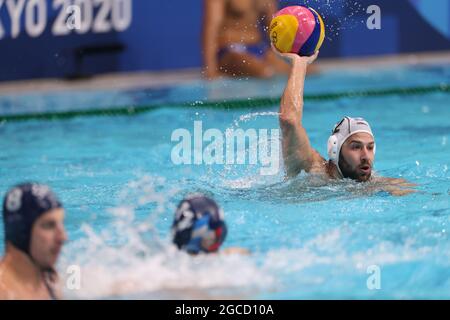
<point x="214" y="12"/>
<point x="235" y="250"/>
<point x="297" y="151"/>
<point x="396" y="186"/>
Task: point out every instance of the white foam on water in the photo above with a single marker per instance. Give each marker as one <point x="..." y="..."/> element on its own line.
<point x="117" y="261"/>
<point x="117" y="272"/>
<point x="329" y="249"/>
<point x="159" y="270"/>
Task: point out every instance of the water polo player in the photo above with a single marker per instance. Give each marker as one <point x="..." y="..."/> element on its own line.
<point x="297" y="33"/>
<point x="34" y="235"/>
<point x="199" y="225"/>
<point x="351" y="146"/>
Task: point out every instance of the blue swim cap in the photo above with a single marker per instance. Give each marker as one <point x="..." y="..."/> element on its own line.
<point x="22" y="206"/>
<point x="199" y="225"/>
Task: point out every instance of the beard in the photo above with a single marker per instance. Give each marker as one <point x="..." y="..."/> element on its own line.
<point x="355" y="173"/>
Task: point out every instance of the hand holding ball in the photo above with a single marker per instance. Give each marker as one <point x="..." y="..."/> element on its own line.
<point x="297" y="29"/>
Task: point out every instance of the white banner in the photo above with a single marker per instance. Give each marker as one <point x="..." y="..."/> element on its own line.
<point x="72" y="16"/>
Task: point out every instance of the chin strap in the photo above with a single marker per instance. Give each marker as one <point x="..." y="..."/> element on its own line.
<point x="338" y="170"/>
<point x="48" y="274"/>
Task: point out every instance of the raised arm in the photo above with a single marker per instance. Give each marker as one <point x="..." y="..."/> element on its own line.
<point x="297" y="151"/>
<point x="214" y="11"/>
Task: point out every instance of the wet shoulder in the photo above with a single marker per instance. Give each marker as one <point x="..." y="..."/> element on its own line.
<point x="319" y="165"/>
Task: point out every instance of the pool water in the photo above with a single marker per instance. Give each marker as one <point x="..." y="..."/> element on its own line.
<point x="307" y="239"/>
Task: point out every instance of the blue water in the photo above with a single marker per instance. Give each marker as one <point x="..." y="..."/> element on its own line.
<point x="307" y="239"/>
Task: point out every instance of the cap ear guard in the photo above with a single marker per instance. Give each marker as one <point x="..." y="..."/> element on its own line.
<point x="332" y="148"/>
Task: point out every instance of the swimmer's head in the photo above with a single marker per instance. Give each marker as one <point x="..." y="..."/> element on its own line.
<point x="33" y="219"/>
<point x="351" y="147"/>
<point x="199" y="225"/>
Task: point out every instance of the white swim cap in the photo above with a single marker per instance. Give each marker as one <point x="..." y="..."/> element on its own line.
<point x="341" y="132"/>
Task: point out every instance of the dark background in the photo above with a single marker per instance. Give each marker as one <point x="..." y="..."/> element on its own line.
<point x="166" y="35"/>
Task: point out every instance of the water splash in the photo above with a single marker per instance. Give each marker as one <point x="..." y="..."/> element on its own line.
<point x="119" y="261"/>
<point x="338" y="15"/>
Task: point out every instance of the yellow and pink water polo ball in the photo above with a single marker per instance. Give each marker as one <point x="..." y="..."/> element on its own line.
<point x="297" y="29"/>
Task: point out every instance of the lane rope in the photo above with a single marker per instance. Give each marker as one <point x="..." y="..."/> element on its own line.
<point x="252" y="103"/>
